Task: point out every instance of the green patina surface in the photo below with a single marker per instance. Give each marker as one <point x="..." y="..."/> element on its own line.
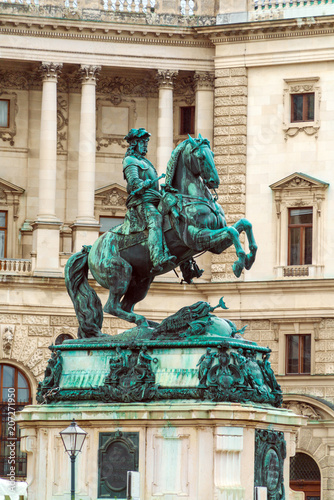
<point x="270" y="452"/>
<point x="163" y="228"/>
<point x="191" y="355"/>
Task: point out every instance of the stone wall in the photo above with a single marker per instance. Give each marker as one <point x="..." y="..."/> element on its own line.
<point x="230" y="154"/>
<point x="25" y="338"/>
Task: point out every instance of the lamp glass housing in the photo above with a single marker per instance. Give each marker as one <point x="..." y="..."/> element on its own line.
<point x="73" y="438"/>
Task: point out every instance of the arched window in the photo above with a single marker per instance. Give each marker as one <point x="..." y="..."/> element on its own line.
<point x="305" y="476"/>
<point x="14" y="395"/>
<point x="63" y="336"/>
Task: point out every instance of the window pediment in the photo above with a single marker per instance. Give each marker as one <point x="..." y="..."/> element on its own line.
<point x="297" y="181"/>
<point x="111" y="199"/>
<point x="9" y="195"/>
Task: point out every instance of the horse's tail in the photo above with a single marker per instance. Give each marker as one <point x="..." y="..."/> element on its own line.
<point x="87" y="304"/>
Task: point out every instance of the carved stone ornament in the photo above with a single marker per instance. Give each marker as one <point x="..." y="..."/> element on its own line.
<point x="89" y="74"/>
<point x="116" y="87"/>
<point x="270" y="452"/>
<point x="50" y="71"/>
<point x="304" y="409"/>
<point x="184" y="90"/>
<point x="113" y="196"/>
<point x="293" y="131"/>
<point x="166" y="78"/>
<point x="12" y="79"/>
<point x="62" y="123"/>
<point x="204" y="80"/>
<point x="7" y="339"/>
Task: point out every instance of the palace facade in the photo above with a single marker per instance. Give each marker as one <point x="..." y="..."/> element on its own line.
<point x="256" y="78"/>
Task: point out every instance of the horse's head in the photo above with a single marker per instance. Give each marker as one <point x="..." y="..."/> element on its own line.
<point x="202" y="161"/>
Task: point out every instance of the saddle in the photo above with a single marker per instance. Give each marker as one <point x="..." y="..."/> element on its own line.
<point x="134" y="231"/>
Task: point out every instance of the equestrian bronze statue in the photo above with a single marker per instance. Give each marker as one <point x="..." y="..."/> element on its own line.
<point x="163" y="229"/>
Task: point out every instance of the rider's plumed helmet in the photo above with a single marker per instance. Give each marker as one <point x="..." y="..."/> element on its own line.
<point x="137" y="134"/>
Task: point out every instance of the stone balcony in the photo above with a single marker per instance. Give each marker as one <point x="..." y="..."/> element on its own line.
<point x="16" y="267"/>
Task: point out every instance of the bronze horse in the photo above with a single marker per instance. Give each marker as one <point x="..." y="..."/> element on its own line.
<point x="196" y="224"/>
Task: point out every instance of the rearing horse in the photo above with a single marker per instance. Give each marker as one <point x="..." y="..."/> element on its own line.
<point x="196" y="224"/>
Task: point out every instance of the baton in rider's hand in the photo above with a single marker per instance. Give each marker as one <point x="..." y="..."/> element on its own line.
<point x="148" y="185"/>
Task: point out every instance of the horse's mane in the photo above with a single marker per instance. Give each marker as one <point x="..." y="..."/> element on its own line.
<point x="171" y="165"/>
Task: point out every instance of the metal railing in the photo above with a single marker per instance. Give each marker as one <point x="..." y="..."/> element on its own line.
<point x="21" y="267"/>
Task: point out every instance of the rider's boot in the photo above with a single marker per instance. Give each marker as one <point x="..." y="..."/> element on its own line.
<point x="161" y="259"/>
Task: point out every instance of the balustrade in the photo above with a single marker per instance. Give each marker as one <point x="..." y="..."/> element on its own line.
<point x="19" y="267"/>
<point x="257" y="9"/>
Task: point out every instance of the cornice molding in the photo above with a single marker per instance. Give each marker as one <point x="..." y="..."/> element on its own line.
<point x="137" y="34"/>
<point x="268" y="30"/>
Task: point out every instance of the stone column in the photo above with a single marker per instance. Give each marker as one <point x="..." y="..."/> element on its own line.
<point x="165" y="119"/>
<point x="86" y="228"/>
<point x="204" y="96"/>
<point x="46" y="227"/>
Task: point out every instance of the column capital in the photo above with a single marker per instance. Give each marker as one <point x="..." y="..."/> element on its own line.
<point x="89" y="74"/>
<point x="204" y="80"/>
<point x="166" y="78"/>
<point x="50" y="71"/>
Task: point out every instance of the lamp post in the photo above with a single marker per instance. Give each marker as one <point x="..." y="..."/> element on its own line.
<point x="73" y="439"/>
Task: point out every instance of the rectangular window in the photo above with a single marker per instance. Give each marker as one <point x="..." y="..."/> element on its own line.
<point x="300" y="236"/>
<point x="298" y="354"/>
<point x="4" y="113"/>
<point x="109" y="222"/>
<point x="302" y="107"/>
<point x="187" y="120"/>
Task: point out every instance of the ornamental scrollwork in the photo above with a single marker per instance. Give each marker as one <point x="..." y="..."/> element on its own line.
<point x="62" y="123"/>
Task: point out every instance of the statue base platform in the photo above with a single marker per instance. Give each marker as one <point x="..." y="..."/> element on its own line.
<point x="204" y="360"/>
<point x="183" y="450"/>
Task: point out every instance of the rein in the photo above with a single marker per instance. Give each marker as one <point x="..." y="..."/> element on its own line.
<point x="204" y="201"/>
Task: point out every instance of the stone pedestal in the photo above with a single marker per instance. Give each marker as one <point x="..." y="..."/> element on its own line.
<point x="46" y="241"/>
<point x="200" y="450"/>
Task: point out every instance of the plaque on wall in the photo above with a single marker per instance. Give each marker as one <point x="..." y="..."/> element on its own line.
<point x="118" y="454"/>
<point x="270" y="452"/>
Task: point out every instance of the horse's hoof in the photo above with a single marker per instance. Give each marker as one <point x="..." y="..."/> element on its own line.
<point x="237" y="269"/>
<point x="249" y="261"/>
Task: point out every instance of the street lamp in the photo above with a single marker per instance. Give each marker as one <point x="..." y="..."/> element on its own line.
<point x="73" y="438"/>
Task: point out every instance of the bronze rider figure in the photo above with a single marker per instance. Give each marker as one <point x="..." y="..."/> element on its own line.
<point x="141" y="177"/>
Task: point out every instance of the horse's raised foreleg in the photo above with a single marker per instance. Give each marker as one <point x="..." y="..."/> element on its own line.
<point x="219" y="240"/>
<point x="245" y="225"/>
